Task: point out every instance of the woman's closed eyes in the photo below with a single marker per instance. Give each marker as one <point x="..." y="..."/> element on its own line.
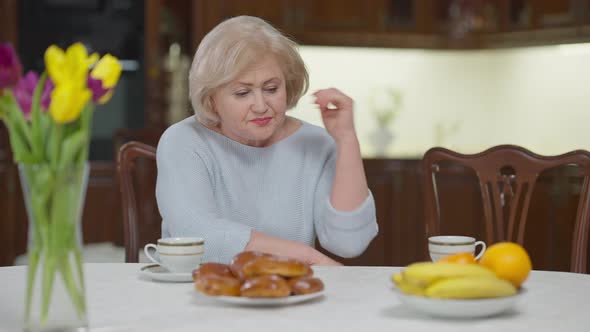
<point x="244" y="93"/>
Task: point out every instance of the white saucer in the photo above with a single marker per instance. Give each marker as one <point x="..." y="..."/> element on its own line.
<point x="159" y="273"/>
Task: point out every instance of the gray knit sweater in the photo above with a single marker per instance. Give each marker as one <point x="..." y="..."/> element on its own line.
<point x="215" y="188"/>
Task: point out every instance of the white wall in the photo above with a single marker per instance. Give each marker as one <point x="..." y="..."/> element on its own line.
<point x="535" y="97"/>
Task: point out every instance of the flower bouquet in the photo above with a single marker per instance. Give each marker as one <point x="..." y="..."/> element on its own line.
<point x="49" y="120"/>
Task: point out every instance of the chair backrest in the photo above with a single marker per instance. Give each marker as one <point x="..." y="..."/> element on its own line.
<point x="136" y="165"/>
<point x="507" y="175"/>
<point x="149" y="136"/>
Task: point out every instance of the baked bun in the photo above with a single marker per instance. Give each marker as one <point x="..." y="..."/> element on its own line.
<point x="237" y="263"/>
<point x="207" y="269"/>
<point x="218" y="285"/>
<point x="284" y="267"/>
<point x="216" y="279"/>
<point x="305" y="285"/>
<point x="265" y="286"/>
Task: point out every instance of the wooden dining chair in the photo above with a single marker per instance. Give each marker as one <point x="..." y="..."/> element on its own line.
<point x="136" y="166"/>
<point x="149" y="136"/>
<point x="507" y="178"/>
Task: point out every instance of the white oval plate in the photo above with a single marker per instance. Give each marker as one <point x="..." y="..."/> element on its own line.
<point x="264" y="302"/>
<point x="159" y="273"/>
<point x="460" y="308"/>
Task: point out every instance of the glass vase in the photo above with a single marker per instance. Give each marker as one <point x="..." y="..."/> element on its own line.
<point x="55" y="294"/>
<point x="381" y="139"/>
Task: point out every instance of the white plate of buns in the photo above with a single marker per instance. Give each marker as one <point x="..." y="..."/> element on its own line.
<point x="258" y="279"/>
<point x="264" y="302"/>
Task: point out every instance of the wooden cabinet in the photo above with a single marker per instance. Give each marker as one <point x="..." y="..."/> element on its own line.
<point x="335" y="15"/>
<point x="8" y="21"/>
<point x="551" y="13"/>
<point x="540" y="22"/>
<point x="8" y="185"/>
<point x="380" y="23"/>
<point x="410" y="23"/>
<point x="327" y="22"/>
<point x="273" y="11"/>
<point x="207" y="14"/>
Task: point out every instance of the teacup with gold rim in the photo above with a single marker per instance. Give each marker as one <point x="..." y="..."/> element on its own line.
<point x="177" y="254"/>
<point x="444" y="245"/>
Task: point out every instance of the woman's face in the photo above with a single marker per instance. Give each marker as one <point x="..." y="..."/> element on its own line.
<point x="252" y="107"/>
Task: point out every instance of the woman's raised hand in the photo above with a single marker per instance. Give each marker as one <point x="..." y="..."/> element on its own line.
<point x="337" y="114"/>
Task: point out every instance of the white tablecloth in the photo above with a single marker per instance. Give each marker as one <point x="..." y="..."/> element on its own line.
<point x="356" y="299"/>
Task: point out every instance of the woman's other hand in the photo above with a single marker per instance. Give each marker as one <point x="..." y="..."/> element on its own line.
<point x="287" y="248"/>
<point x="317" y="258"/>
<point x="337" y="114"/>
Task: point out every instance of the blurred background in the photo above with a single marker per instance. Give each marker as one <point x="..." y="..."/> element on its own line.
<point x="463" y="74"/>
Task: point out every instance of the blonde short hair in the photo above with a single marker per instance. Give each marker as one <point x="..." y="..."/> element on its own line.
<point x="229" y="49"/>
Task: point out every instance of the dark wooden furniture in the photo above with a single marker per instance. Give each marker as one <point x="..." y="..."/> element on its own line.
<point x="398" y="196"/>
<point x="439" y="24"/>
<point x="9" y="21"/>
<point x="396" y="185"/>
<point x="149" y="136"/>
<point x="507" y="177"/>
<point x="137" y="178"/>
<point x="9" y="191"/>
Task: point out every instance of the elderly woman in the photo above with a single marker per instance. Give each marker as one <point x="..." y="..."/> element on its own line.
<point x="245" y="176"/>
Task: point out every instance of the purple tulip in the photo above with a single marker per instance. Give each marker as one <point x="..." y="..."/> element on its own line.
<point x="98" y="91"/>
<point x="25" y="89"/>
<point x="10" y="66"/>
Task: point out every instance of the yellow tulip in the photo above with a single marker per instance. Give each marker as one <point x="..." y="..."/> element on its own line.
<point x="69" y="66"/>
<point x="103" y="100"/>
<point x="68" y="101"/>
<point x="108" y="70"/>
<point x="103" y="78"/>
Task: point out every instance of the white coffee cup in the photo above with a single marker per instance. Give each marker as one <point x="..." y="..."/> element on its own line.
<point x="177" y="254"/>
<point x="445" y="245"/>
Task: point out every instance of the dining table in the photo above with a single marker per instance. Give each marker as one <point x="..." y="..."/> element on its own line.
<point x="356" y="298"/>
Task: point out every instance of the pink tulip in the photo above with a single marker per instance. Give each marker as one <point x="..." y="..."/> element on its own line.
<point x="24" y="90"/>
<point x="97" y="89"/>
<point x="10" y="66"/>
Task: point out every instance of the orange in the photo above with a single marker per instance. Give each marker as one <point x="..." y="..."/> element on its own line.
<point x="509" y="261"/>
<point x="462" y="258"/>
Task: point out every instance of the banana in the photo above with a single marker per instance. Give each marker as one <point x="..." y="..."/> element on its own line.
<point x="406" y="287"/>
<point x="470" y="287"/>
<point x="423" y="274"/>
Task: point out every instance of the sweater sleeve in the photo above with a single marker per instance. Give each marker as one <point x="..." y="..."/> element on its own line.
<point x="343" y="233"/>
<point x="184" y="192"/>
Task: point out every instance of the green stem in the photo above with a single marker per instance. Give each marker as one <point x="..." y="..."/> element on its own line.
<point x="53" y="231"/>
<point x="39" y="224"/>
<point x="47" y="288"/>
<point x="64" y="221"/>
<point x="79" y="269"/>
<point x="85" y="127"/>
<point x="55" y="140"/>
<point x="31" y="273"/>
<point x="36" y="125"/>
<point x="76" y="294"/>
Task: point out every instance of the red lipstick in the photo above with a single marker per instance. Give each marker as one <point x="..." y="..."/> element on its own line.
<point x="261" y="121"/>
